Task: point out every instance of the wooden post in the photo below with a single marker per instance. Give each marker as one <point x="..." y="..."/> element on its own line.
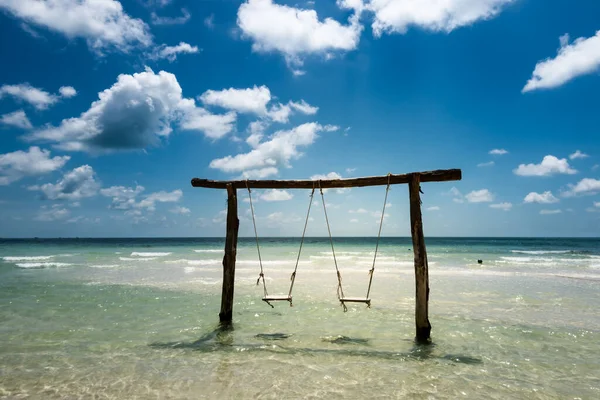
<point x="423" y="327"/>
<point x="233" y="224"/>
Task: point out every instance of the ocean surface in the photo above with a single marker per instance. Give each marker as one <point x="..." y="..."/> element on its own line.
<point x="138" y="318"/>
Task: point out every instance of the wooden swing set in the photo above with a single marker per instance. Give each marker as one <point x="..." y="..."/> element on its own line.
<point x="414" y="180"/>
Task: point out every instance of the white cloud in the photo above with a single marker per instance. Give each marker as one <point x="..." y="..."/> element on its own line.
<point x="125" y="198"/>
<point x="269" y="156"/>
<point x="250" y="100"/>
<point x="38" y="98"/>
<point x="550" y="212"/>
<point x="595" y="167"/>
<point x="161" y="197"/>
<point x="257" y="131"/>
<point x="456" y="194"/>
<point x="502" y="206"/>
<point x="158" y="20"/>
<point x="180" y="210"/>
<point x="295" y="32"/>
<point x="276" y="195"/>
<point x="433" y="208"/>
<point x="19" y="164"/>
<point x="75" y="185"/>
<point x="498" y="152"/>
<point x="584" y="186"/>
<point x="581" y="57"/>
<point x="486" y="164"/>
<point x="358" y="211"/>
<point x="353" y="221"/>
<point x="255" y="100"/>
<point x="396" y="16"/>
<point x="577" y="154"/>
<point x="136" y="112"/>
<point x="479" y="196"/>
<point x="541" y="198"/>
<point x="102" y="23"/>
<point x="304" y="107"/>
<point x="170" y="52"/>
<point x="550" y="165"/>
<point x="17" y="119"/>
<point x="260" y="173"/>
<point x="67" y="91"/>
<point x="214" y="126"/>
<point x="330" y="176"/>
<point x="53" y="214"/>
<point x="350" y="170"/>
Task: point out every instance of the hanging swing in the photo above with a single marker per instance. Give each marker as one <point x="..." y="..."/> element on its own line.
<point x="340" y="291"/>
<point x="266" y="297"/>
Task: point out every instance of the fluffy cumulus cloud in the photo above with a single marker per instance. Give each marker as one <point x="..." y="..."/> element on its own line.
<point x="256" y="100"/>
<point x="74" y="185"/>
<point x="33" y="162"/>
<point x="267" y="157"/>
<point x="276" y="195"/>
<point x="541" y="198"/>
<point x="67" y="91"/>
<point x="38" y="98"/>
<point x="502" y="206"/>
<point x="581" y="57"/>
<point x="102" y="23"/>
<point x="498" y="152"/>
<point x="18" y="119"/>
<point x="584" y="186"/>
<point x="251" y="100"/>
<point x="479" y="196"/>
<point x="578" y="154"/>
<point x="396" y="16"/>
<point x="171" y="52"/>
<point x="550" y="165"/>
<point x="136" y="112"/>
<point x="295" y="32"/>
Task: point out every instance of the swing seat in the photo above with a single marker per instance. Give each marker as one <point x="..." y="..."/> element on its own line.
<point x="367" y="301"/>
<point x="277" y="298"/>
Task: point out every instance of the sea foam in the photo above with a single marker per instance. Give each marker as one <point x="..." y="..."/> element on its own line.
<point x="25" y="258"/>
<point x="40" y="265"/>
<point x="149" y="254"/>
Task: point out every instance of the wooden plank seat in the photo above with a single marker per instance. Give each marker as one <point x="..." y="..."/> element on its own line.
<point x="355" y="300"/>
<point x="277" y="298"/>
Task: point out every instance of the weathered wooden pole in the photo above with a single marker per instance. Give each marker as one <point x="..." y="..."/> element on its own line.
<point x="233" y="224"/>
<point x="423" y="327"/>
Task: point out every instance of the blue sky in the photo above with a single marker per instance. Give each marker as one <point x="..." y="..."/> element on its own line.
<point x="108" y="109"/>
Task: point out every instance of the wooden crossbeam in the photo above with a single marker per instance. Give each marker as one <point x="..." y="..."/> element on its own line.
<point x="441" y="175"/>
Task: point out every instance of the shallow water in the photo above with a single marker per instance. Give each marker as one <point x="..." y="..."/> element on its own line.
<point x="138" y="319"/>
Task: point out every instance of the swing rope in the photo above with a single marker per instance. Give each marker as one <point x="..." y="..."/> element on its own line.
<point x="293" y="277"/>
<point x="261" y="275"/>
<point x="340" y="290"/>
<point x="387" y="190"/>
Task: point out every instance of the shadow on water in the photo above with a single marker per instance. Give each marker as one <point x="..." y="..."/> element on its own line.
<point x="221" y="340"/>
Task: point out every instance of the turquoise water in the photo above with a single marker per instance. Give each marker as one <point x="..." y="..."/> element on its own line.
<point x="137" y="318"/>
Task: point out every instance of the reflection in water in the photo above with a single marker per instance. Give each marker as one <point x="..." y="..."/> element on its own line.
<point x="222" y="339"/>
